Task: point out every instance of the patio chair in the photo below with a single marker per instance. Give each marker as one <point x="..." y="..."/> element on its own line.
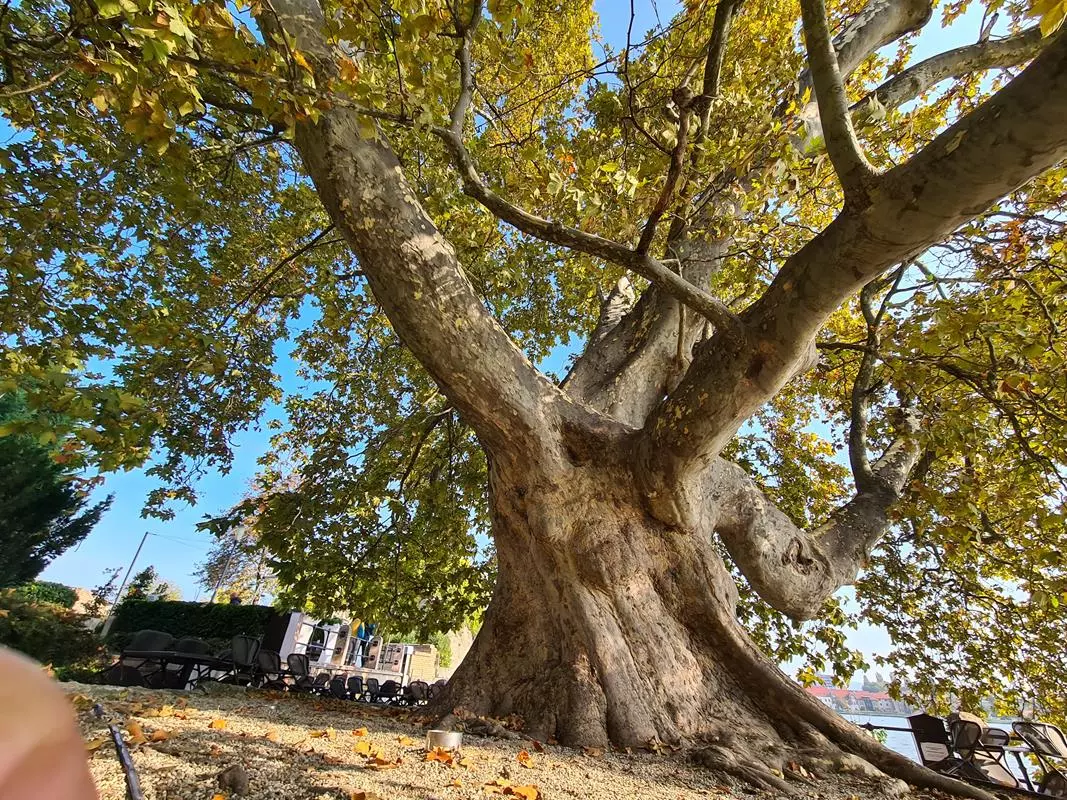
<point x="389" y="692"/>
<point x="321" y="683"/>
<point x="373" y="690"/>
<point x="436" y="688"/>
<point x="935" y="750"/>
<point x="269" y="672"/>
<point x="1049" y="745"/>
<point x="982" y="746"/>
<point x="338" y="688"/>
<point x="415" y="693"/>
<point x="300" y="671"/>
<point x="244" y="651"/>
<point x="355" y="687"/>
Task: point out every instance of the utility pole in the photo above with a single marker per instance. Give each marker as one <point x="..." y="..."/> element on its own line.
<point x="118" y="596"/>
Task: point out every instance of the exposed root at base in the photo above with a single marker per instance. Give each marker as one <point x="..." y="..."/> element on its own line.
<point x="747" y="770"/>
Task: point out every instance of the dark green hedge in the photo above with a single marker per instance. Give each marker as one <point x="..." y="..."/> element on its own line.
<point x="215" y="622"/>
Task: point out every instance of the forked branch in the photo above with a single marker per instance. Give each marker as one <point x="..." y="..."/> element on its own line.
<point x="842" y="144"/>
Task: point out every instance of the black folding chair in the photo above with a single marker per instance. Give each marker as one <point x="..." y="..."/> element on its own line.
<point x="373" y="690"/>
<point x="244" y="651"/>
<point x="1049" y="745"/>
<point x="436" y="688"/>
<point x="321" y="683"/>
<point x="389" y="692"/>
<point x="269" y="673"/>
<point x="415" y="693"/>
<point x="300" y="671"/>
<point x="355" y="687"/>
<point x="338" y="688"/>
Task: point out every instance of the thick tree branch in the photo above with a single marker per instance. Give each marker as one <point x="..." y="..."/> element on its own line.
<point x="842" y="144"/>
<point x="411" y="268"/>
<point x="1011" y="137"/>
<point x="795" y="571"/>
<point x="913" y="81"/>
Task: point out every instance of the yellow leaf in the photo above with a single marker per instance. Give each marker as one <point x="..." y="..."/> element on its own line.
<point x="271" y="736"/>
<point x="218" y="796"/>
<point x="363" y="748"/>
<point x="525" y="759"/>
<point x="380" y="763"/>
<point x="159" y="736"/>
<point x="298" y="57"/>
<point x="93" y="745"/>
<point x="217" y="724"/>
<point x="328" y="733"/>
<point x="359" y="732"/>
<point x="528" y="792"/>
<point x="440" y="754"/>
<point x="457" y="783"/>
<point x="405" y="741"/>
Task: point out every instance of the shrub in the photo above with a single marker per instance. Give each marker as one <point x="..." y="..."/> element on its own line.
<point x="48" y="592"/>
<point x="50" y="634"/>
<point x="214" y="622"/>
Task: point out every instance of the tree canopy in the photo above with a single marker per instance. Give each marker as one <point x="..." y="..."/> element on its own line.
<point x="695" y="207"/>
<point x="44" y="509"/>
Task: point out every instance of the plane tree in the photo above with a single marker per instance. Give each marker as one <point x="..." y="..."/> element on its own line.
<point x="775" y="235"/>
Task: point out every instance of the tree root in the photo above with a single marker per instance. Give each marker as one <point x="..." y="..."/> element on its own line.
<point x="746" y="770"/>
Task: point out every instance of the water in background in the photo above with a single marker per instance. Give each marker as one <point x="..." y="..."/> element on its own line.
<point x="901" y="742"/>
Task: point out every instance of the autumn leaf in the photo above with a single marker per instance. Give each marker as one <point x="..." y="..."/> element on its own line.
<point x="527" y="792"/>
<point x="456" y="783"/>
<point x="363" y="748"/>
<point x="217" y="724"/>
<point x="328" y="733"/>
<point x="525" y="759"/>
<point x="159" y="736"/>
<point x="380" y="763"/>
<point x="593" y="752"/>
<point x="271" y="735"/>
<point x="93" y="745"/>
<point x="405" y="741"/>
<point x="540" y="748"/>
<point x="441" y="755"/>
<point x="654" y="745"/>
<point x="218" y="796"/>
<point x="359" y="732"/>
<point x="136" y="733"/>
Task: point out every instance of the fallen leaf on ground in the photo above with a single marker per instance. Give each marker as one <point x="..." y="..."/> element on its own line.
<point x="528" y="792"/>
<point x="379" y="763"/>
<point x="81" y="702"/>
<point x="328" y="733"/>
<point x="271" y="735"/>
<point x="405" y="741"/>
<point x="363" y="748"/>
<point x="540" y="748"/>
<point x="525" y="759"/>
<point x="359" y="732"/>
<point x="440" y="754"/>
<point x="217" y="724"/>
<point x="654" y="745"/>
<point x="136" y="733"/>
<point x="218" y="796"/>
<point x="159" y="736"/>
<point x="93" y="745"/>
<point x="359" y="794"/>
<point x="593" y="752"/>
<point x="465" y="762"/>
<point x="456" y="783"/>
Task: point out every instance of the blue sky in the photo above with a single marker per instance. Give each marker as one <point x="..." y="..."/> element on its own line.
<point x="174" y="547"/>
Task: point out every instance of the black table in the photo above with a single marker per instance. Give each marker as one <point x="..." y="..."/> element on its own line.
<point x="190" y="663"/>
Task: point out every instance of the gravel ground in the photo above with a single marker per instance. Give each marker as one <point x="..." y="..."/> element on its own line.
<point x="304" y="748"/>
